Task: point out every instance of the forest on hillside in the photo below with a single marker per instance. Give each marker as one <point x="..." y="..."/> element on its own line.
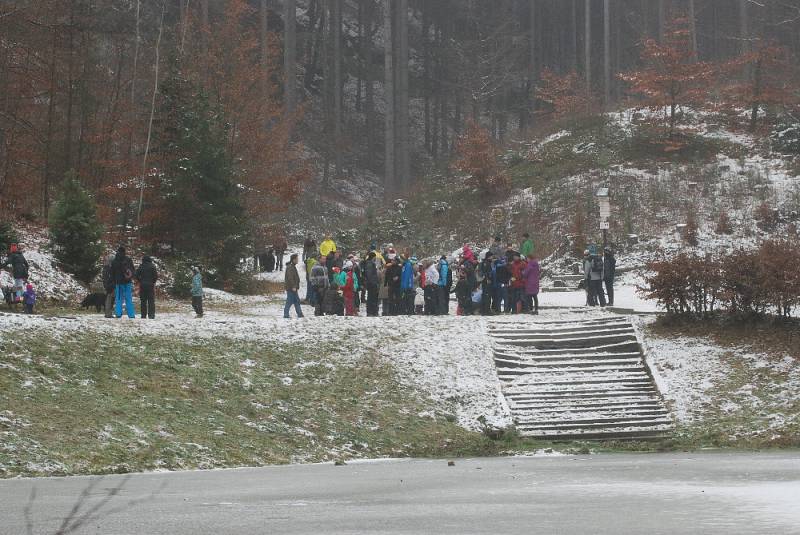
<point x="190" y="122"/>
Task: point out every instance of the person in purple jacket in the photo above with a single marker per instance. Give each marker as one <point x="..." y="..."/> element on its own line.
<point x="531" y="276"/>
<point x="29" y="298"/>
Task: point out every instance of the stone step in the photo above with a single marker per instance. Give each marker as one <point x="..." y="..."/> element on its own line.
<point x="535" y="327"/>
<point x="598" y="393"/>
<point x="573" y="343"/>
<point x="622" y="423"/>
<point x="537" y="335"/>
<point x="633" y="433"/>
<point x="598" y="421"/>
<point x="582" y="403"/>
<point x="511" y="360"/>
<point x="582" y="365"/>
<point x="612" y="381"/>
<point x="605" y="412"/>
<point x="622" y="347"/>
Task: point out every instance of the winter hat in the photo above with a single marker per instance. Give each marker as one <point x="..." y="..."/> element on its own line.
<point x="13" y="248"/>
<point x="348" y="265"/>
<point x="121" y="250"/>
<point x="336" y="269"/>
<point x="413" y="259"/>
<point x="29" y="286"/>
<point x="586" y="252"/>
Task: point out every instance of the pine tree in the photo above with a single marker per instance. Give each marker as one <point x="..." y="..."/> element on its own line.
<point x="203" y="216"/>
<point x="75" y="230"/>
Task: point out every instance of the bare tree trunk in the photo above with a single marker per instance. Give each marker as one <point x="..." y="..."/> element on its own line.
<point x="693" y="28"/>
<point x="143" y="179"/>
<point x="606" y="53"/>
<point x="402" y="158"/>
<point x="744" y="27"/>
<point x="263" y="16"/>
<point x="389" y="175"/>
<point x="290" y="58"/>
<point x="661" y="20"/>
<point x="587" y="52"/>
<point x="337" y="85"/>
<point x="532" y="65"/>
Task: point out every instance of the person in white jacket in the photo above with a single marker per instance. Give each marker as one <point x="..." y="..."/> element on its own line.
<point x="431" y="289"/>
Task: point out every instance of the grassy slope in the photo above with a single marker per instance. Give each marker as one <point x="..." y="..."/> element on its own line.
<point x="758" y="392"/>
<point x="84" y="404"/>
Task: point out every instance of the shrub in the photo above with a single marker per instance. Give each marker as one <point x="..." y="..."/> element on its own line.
<point x="742" y="283"/>
<point x="690" y="231"/>
<point x="766" y="217"/>
<point x="477" y="158"/>
<point x="75" y="231"/>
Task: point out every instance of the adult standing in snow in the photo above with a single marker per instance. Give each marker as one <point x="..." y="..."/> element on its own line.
<point x="445" y="284"/>
<point x="280" y="250"/>
<point x="609" y="273"/>
<point x="526" y="249"/>
<point x="587" y="279"/>
<point x="348" y="282"/>
<point x="19" y="270"/>
<point x="109" y="286"/>
<point x="269" y="261"/>
<point x="311" y="293"/>
<point x="596" y="279"/>
<point x="319" y="281"/>
<point x="407" y="287"/>
<point x="292" y="284"/>
<point x="393" y="272"/>
<point x="197" y="291"/>
<point x="123" y="273"/>
<point x="531" y="276"/>
<point x="327" y="246"/>
<point x="372" y="282"/>
<point x="432" y="291"/>
<point x="147" y="275"/>
<point x="486" y="276"/>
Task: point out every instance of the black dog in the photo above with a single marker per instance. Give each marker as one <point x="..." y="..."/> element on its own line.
<point x="98" y="301"/>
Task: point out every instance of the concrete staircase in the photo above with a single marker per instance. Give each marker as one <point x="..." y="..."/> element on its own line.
<point x="582" y="379"/>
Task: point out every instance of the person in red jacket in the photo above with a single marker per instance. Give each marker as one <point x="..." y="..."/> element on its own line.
<point x="517" y="284"/>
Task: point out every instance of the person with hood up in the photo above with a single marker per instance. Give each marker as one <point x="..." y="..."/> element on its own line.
<point x="348" y="283"/>
<point x="269" y="261"/>
<point x="407" y="286"/>
<point x="327" y="246"/>
<point x="29" y="298"/>
<point x="19" y="270"/>
<point x="502" y="277"/>
<point x="432" y="291"/>
<point x="197" y="291"/>
<point x="109" y="286"/>
<point x="123" y="273"/>
<point x="291" y="282"/>
<point x="445" y="284"/>
<point x="531" y="277"/>
<point x="147" y="275"/>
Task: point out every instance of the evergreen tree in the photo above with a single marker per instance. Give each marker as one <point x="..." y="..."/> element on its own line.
<point x="203" y="213"/>
<point x="75" y="230"/>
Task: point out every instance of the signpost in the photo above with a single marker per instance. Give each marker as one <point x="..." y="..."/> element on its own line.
<point x="604" y="203"/>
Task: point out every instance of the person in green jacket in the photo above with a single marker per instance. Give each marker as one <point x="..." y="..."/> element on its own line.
<point x="526" y="249"/>
<point x="197" y="291"/>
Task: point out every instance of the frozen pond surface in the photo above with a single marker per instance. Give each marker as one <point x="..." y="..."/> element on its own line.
<point x="607" y="494"/>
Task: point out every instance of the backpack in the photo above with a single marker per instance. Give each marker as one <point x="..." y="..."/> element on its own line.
<point x="597" y="264"/>
<point x="127" y="272"/>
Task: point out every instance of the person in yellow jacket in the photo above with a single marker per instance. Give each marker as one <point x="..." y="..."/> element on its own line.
<point x="327" y="246"/>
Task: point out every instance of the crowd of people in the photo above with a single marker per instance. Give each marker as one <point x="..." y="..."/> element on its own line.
<point x="390" y="283"/>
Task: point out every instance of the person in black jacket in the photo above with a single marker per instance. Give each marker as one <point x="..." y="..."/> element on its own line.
<point x="122" y="271"/>
<point x="19" y="270"/>
<point x="371" y="282"/>
<point x="147" y="275"/>
<point x="609" y="273"/>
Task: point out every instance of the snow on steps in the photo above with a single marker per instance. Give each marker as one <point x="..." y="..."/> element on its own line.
<point x="578" y="380"/>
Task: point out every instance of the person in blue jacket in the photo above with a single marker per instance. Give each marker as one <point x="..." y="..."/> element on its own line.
<point x="407" y="286"/>
<point x="445" y="284"/>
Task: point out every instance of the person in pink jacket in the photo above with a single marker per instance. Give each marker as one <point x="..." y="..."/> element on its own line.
<point x="531" y="277"/>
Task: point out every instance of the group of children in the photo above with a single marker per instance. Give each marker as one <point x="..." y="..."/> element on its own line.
<point x="389" y="283"/>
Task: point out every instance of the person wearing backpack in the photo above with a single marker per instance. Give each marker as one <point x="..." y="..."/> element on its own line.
<point x="123" y="272"/>
<point x="147" y="275"/>
<point x="596" y="280"/>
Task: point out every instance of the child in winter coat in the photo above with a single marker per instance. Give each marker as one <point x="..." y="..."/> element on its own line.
<point x="29" y="299"/>
<point x="464" y="295"/>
